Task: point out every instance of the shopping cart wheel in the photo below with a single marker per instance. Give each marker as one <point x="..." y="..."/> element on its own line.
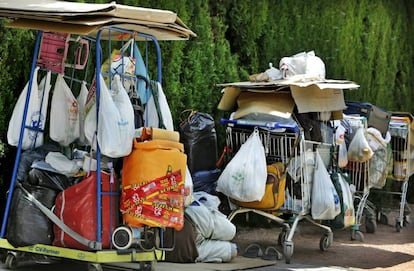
<point x="398" y="226"/>
<point x="95" y="267"/>
<point x="11" y="261"/>
<point x="370" y="225"/>
<point x="383" y="219"/>
<point x="325" y="242"/>
<point x="288" y="251"/>
<point x="357" y="235"/>
<point x="146" y="266"/>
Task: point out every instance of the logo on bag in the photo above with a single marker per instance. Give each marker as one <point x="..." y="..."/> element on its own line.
<point x="238" y="177"/>
<point x="123" y="123"/>
<point x="36" y="122"/>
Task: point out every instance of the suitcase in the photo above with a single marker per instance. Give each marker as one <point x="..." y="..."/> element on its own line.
<point x="376" y="116"/>
<point x="76" y="207"/>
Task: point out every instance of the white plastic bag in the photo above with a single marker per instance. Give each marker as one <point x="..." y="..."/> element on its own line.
<point x="348" y="203"/>
<point x="83" y="94"/>
<point x="359" y="149"/>
<point x="64" y="114"/>
<point x="244" y="177"/>
<point x="62" y="164"/>
<point x="304" y="63"/>
<point x="340" y="141"/>
<point x="151" y="116"/>
<point x="325" y="200"/>
<point x="36" y="113"/>
<point x="116" y="120"/>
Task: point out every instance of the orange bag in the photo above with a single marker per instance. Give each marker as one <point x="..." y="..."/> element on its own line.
<point x="274" y="194"/>
<point x="153" y="178"/>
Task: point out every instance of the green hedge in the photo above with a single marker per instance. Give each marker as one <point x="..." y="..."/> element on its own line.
<point x="369" y="42"/>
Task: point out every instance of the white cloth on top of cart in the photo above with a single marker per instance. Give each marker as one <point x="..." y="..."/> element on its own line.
<point x="378" y="167"/>
<point x="62" y="164"/>
<point x="213" y="230"/>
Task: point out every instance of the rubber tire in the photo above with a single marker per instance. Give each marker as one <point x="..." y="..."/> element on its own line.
<point x="324" y="243"/>
<point x="11" y="261"/>
<point x="288" y="251"/>
<point x="94" y="267"/>
<point x="370" y="226"/>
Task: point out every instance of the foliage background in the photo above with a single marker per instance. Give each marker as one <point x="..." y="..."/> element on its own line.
<point x="369" y="42"/>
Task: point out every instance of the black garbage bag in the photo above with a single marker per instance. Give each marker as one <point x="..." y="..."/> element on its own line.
<point x="198" y="134"/>
<point x="26" y="224"/>
<point x="29" y="156"/>
<point x="52" y="180"/>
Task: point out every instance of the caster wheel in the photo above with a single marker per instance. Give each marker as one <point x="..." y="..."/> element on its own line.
<point x="146" y="266"/>
<point x="325" y="242"/>
<point x="383" y="219"/>
<point x="371" y="225"/>
<point x="357" y="235"/>
<point x="11" y="261"/>
<point x="282" y="237"/>
<point x="95" y="267"/>
<point x="288" y="251"/>
<point x="398" y="227"/>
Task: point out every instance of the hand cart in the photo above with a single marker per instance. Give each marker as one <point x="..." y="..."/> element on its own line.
<point x="286" y="144"/>
<point x="102" y="33"/>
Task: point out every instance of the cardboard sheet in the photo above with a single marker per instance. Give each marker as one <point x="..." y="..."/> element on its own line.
<point x="314" y="99"/>
<point x="86" y="19"/>
<point x="272" y="103"/>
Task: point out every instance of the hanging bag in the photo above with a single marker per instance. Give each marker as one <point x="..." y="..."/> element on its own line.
<point x="64" y="114"/>
<point x="83" y="94"/>
<point x="244" y="177"/>
<point x="325" y="199"/>
<point x="157" y="111"/>
<point x="36" y="113"/>
<point x="116" y="120"/>
<point x="359" y="149"/>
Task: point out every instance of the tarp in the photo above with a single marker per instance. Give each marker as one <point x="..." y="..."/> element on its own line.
<point x="88" y="19"/>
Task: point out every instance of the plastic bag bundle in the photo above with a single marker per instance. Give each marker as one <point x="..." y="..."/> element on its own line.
<point x="304" y="63"/>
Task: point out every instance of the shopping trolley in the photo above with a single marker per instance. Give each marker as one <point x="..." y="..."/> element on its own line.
<point x="359" y="174"/>
<point x="400" y="127"/>
<point x="286" y="144"/>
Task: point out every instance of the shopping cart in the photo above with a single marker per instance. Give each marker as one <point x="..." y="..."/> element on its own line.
<point x="285" y="144"/>
<point x="359" y="174"/>
<point x="396" y="187"/>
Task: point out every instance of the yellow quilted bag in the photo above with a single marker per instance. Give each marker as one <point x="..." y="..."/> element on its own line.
<point x="274" y="194"/>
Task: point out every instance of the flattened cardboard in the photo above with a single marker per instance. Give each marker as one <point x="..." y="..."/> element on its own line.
<point x="278" y="104"/>
<point x="86" y="19"/>
<point x="314" y="99"/>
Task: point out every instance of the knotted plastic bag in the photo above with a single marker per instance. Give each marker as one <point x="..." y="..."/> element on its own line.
<point x="359" y="149"/>
<point x="244" y="177"/>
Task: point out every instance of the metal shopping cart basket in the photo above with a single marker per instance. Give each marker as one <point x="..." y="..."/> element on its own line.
<point x="283" y="144"/>
<point x="393" y="194"/>
<point x="359" y="174"/>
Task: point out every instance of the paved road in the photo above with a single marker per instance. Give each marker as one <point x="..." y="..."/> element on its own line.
<point x="61" y="265"/>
